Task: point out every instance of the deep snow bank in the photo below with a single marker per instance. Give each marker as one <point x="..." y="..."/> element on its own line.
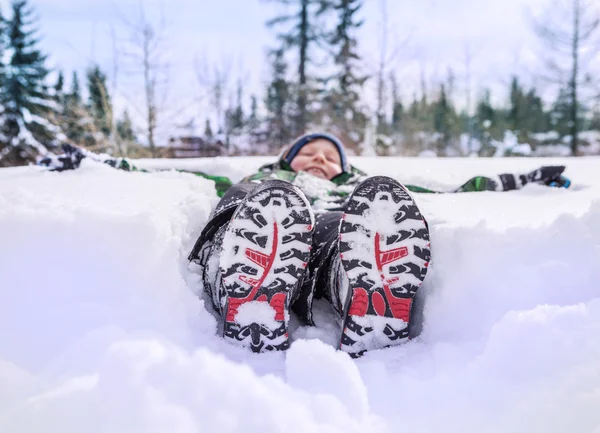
<point x="100" y="329"/>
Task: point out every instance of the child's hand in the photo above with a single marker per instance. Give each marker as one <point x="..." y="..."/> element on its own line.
<point x="550" y="175"/>
<point x="69" y="160"/>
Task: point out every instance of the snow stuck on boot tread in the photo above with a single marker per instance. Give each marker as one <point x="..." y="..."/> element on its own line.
<point x="264" y="255"/>
<point x="385" y="252"/>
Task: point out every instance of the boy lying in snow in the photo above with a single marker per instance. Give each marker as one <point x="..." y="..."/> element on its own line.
<point x="311" y="225"/>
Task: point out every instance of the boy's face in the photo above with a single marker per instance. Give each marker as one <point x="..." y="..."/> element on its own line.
<point x="319" y="158"/>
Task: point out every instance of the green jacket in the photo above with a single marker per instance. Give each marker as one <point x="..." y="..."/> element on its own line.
<point x="329" y="194"/>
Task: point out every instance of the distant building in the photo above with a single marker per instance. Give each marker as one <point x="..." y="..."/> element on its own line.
<point x="195" y="147"/>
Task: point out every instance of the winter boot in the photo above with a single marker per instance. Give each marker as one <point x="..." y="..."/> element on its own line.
<point x="384" y="251"/>
<point x="265" y="250"/>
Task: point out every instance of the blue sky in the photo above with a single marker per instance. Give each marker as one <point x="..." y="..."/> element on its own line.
<point x="430" y="36"/>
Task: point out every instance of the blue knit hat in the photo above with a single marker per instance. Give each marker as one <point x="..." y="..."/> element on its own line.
<point x="307" y="138"/>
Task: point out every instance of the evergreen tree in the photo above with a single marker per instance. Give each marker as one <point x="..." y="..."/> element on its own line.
<point x="535" y="115"/>
<point x="561" y="113"/>
<point x="516" y="113"/>
<point x="253" y="121"/>
<point x="486" y="115"/>
<point x="397" y="107"/>
<point x="74" y="120"/>
<point x="237" y="114"/>
<point x="229" y="120"/>
<point x="526" y="113"/>
<point x="426" y="114"/>
<point x="595" y="122"/>
<point x="28" y="106"/>
<point x="412" y="128"/>
<point x="347" y="58"/>
<point x="208" y="132"/>
<point x="487" y="123"/>
<point x="414" y="109"/>
<point x="278" y="102"/>
<point x="344" y="97"/>
<point x="125" y="128"/>
<point x="99" y="103"/>
<point x="60" y="99"/>
<point x="445" y="121"/>
<point x="303" y="34"/>
<point x="3" y="45"/>
<point x="75" y="93"/>
<point x="59" y="86"/>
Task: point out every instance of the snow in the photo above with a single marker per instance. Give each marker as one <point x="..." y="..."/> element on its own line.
<point x="100" y="330"/>
<point x="257" y="312"/>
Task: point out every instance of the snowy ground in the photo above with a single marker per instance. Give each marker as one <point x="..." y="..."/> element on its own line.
<point x="100" y="330"/>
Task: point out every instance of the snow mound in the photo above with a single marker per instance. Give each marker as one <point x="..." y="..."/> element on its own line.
<point x="100" y="329"/>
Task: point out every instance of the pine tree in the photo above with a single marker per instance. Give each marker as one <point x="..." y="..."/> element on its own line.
<point x="302" y="36"/>
<point x="3" y="45"/>
<point x="425" y="114"/>
<point x="397" y="107"/>
<point x="561" y="113"/>
<point x="60" y="99"/>
<point x="486" y="121"/>
<point x="516" y="111"/>
<point x="412" y="127"/>
<point x="595" y="121"/>
<point x="28" y="105"/>
<point x="99" y="103"/>
<point x="229" y="120"/>
<point x="414" y="109"/>
<point x="486" y="115"/>
<point x="445" y="121"/>
<point x="59" y="86"/>
<point x="526" y="113"/>
<point x="208" y="132"/>
<point x="278" y="102"/>
<point x="75" y="94"/>
<point x="344" y="98"/>
<point x="535" y="115"/>
<point x="253" y="120"/>
<point x="74" y="121"/>
<point x="237" y="114"/>
<point x="125" y="128"/>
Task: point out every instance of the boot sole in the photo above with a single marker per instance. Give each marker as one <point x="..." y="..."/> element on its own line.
<point x="265" y="252"/>
<point x="385" y="252"/>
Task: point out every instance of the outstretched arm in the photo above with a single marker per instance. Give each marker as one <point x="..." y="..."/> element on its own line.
<point x="547" y="175"/>
<point x="73" y="155"/>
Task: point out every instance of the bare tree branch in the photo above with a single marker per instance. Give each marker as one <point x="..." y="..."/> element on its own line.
<point x="146" y="52"/>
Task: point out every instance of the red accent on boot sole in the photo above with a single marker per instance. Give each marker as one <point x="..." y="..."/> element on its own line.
<point x="278" y="304"/>
<point x="262" y="260"/>
<point x="400" y="307"/>
<point x="360" y="302"/>
<point x="232" y="308"/>
<point x="378" y="303"/>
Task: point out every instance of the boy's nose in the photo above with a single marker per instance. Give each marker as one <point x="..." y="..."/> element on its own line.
<point x="320" y="157"/>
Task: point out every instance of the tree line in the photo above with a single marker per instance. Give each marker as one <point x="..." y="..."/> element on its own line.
<point x="316" y="81"/>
